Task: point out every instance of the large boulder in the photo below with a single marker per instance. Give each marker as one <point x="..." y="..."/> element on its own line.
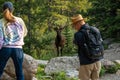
<point x="29" y="67"/>
<point x="113" y="52"/>
<point x="62" y="64"/>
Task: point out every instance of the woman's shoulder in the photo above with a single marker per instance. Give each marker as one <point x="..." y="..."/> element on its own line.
<point x="18" y="18"/>
<point x="2" y="19"/>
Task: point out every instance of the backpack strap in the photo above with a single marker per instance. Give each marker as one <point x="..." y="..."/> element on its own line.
<point x="85" y="33"/>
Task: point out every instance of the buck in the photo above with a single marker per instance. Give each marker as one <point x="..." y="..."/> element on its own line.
<point x="59" y="40"/>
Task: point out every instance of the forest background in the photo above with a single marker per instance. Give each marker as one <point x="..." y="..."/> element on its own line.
<point x="41" y="16"/>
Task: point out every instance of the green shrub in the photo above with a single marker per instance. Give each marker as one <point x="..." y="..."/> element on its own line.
<point x="61" y="76"/>
<point x="40" y="72"/>
<point x="55" y="76"/>
<point x="102" y="71"/>
<point x="113" y="69"/>
<point x="105" y="46"/>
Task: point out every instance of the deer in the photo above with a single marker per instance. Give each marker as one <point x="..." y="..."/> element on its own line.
<point x="59" y="40"/>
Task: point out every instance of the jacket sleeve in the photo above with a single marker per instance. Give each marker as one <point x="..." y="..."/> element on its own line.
<point x="1" y="37"/>
<point x="24" y="27"/>
<point x="78" y="39"/>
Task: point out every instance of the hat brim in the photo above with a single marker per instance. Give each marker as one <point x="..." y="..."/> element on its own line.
<point x="77" y="21"/>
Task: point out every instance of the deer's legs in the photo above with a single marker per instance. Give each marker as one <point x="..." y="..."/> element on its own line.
<point x="57" y="51"/>
<point x="61" y="51"/>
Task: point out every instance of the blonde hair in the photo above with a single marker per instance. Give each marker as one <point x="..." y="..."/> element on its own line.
<point x="8" y="15"/>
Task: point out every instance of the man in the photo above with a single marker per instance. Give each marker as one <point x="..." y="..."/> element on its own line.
<point x="12" y="33"/>
<point x="89" y="69"/>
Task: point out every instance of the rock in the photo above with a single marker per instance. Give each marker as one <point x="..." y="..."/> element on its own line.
<point x="107" y="41"/>
<point x="42" y="62"/>
<point x="110" y="77"/>
<point x="107" y="63"/>
<point x="114" y="46"/>
<point x="29" y="67"/>
<point x="117" y="61"/>
<point x="5" y="76"/>
<point x="34" y="78"/>
<point x="62" y="64"/>
<point x="72" y="73"/>
<point x="118" y="72"/>
<point x="113" y="52"/>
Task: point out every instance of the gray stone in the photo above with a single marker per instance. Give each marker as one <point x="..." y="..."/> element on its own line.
<point x="34" y="78"/>
<point x="42" y="62"/>
<point x="110" y="77"/>
<point x="107" y="63"/>
<point x="62" y="64"/>
<point x="117" y="61"/>
<point x="114" y="46"/>
<point x="113" y="52"/>
<point x="5" y="76"/>
<point x="72" y="73"/>
<point x="118" y="72"/>
<point x="29" y="67"/>
<point x="107" y="41"/>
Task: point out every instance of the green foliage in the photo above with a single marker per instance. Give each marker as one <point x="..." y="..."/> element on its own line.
<point x="41" y="16"/>
<point x="113" y="69"/>
<point x="105" y="14"/>
<point x="40" y="73"/>
<point x="46" y="45"/>
<point x="79" y="6"/>
<point x="69" y="46"/>
<point x="102" y="71"/>
<point x="105" y="46"/>
<point x="40" y="21"/>
<point x="55" y="76"/>
<point x="61" y="76"/>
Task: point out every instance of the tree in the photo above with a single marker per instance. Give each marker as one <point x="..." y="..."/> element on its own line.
<point x="41" y="16"/>
<point x="68" y="32"/>
<point x="104" y="14"/>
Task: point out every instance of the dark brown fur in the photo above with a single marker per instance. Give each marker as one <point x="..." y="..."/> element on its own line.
<point x="59" y="41"/>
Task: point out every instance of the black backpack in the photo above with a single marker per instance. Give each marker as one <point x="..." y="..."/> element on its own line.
<point x="93" y="46"/>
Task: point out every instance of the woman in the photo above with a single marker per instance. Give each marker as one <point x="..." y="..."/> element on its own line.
<point x="12" y="33"/>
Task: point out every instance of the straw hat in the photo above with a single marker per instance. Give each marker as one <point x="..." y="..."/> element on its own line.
<point x="76" y="18"/>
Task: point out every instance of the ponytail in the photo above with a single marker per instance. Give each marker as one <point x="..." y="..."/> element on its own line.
<point x="8" y="15"/>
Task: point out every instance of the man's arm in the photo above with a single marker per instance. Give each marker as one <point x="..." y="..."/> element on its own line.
<point x="78" y="38"/>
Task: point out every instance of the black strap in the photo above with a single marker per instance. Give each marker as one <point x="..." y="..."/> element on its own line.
<point x="85" y="33"/>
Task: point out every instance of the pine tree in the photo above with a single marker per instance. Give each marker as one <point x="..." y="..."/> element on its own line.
<point x="68" y="32"/>
<point x="103" y="14"/>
